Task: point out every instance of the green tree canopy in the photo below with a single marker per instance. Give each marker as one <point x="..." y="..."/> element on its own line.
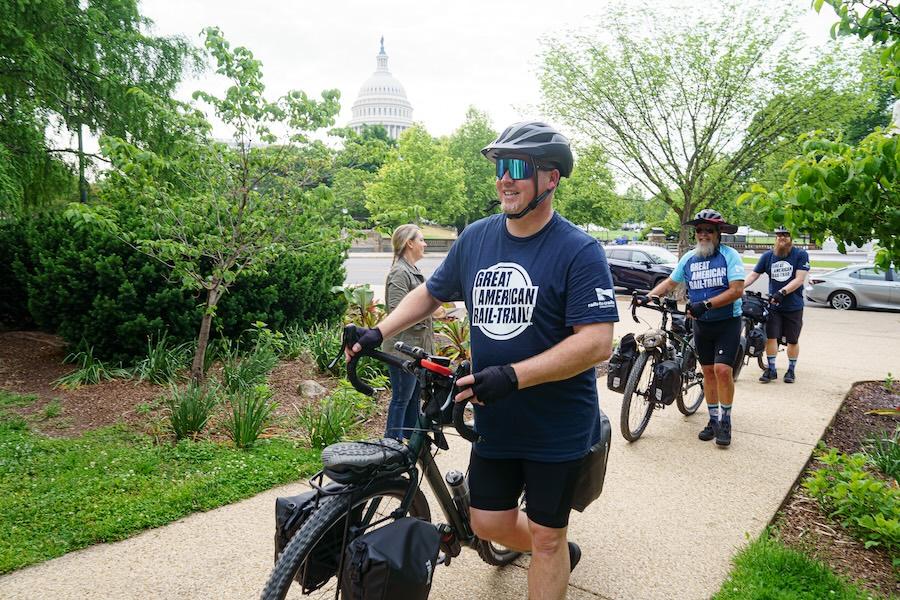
<point x="420" y="182"/>
<point x="218" y="210"/>
<point x="69" y="65"/>
<point x="588" y="196"/>
<point x="849" y="191"/>
<point x="688" y="109"/>
<point x="465" y="146"/>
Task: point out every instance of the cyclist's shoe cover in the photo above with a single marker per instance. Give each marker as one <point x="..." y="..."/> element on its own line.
<point x="709" y="432"/>
<point x="574" y="555"/>
<point x="789" y="376"/>
<point x="723" y="433"/>
<point x="768" y="375"/>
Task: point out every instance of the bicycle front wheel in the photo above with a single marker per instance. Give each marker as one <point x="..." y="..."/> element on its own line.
<point x="636" y="403"/>
<point x="366" y="509"/>
<point x="691" y="396"/>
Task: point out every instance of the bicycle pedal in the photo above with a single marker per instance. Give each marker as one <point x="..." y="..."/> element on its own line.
<point x="443" y="559"/>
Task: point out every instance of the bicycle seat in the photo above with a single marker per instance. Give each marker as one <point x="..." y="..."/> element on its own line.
<point x="347" y="462"/>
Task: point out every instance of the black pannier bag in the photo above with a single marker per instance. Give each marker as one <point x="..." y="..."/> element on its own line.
<point x="756" y="341"/>
<point x="666" y="381"/>
<point x="621" y="362"/>
<point x="754" y="307"/>
<point x="290" y="514"/>
<point x="394" y="562"/>
<point x="593" y="469"/>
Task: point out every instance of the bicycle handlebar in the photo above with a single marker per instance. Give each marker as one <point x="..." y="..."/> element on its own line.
<point x="422" y="360"/>
<point x="659" y="307"/>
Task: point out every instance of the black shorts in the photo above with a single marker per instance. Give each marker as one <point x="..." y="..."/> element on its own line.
<point x="717" y="341"/>
<point x="497" y="483"/>
<point x="785" y="326"/>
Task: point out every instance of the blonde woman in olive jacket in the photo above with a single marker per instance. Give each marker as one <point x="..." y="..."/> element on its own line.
<point x="409" y="247"/>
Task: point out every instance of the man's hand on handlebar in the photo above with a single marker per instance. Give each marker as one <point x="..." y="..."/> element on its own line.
<point x="645" y="299"/>
<point x="488" y="385"/>
<point x="777" y="298"/>
<point x="364" y="339"/>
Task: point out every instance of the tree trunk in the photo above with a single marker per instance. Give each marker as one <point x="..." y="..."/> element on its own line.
<point x="212" y="298"/>
<point x="82" y="184"/>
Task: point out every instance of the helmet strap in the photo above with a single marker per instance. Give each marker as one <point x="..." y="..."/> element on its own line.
<point x="538" y="198"/>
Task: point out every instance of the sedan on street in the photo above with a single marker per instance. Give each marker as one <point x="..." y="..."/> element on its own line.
<point x="855" y="286"/>
<point x="639" y="267"/>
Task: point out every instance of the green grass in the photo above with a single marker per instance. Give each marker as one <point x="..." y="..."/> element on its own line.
<point x="817" y="264"/>
<point x="59" y="495"/>
<point x="10" y="400"/>
<point x="767" y="570"/>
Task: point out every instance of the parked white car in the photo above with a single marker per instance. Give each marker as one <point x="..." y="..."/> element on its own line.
<point x="855" y="286"/>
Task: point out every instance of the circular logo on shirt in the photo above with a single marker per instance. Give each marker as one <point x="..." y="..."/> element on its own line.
<point x="782" y="270"/>
<point x="503" y="300"/>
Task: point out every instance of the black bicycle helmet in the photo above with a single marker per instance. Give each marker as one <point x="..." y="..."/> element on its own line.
<point x="544" y="144"/>
<point x="713" y="217"/>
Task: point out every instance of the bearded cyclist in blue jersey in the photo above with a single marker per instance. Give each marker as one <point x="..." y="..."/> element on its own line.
<point x="714" y="275"/>
<point x="541" y="306"/>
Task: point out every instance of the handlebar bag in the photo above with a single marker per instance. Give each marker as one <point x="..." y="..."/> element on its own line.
<point x="593" y="469"/>
<point x="756" y="341"/>
<point x="666" y="381"/>
<point x="290" y="514"/>
<point x="621" y="362"/>
<point x="754" y="307"/>
<point x="394" y="562"/>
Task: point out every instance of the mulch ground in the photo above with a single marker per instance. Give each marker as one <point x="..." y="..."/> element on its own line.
<point x="31" y="361"/>
<point x="803" y="525"/>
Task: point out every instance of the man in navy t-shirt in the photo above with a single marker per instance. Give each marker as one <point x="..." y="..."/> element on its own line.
<point x="787" y="268"/>
<point x="541" y="306"/>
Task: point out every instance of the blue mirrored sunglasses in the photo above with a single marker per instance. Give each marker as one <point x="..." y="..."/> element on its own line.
<point x="516" y="167"/>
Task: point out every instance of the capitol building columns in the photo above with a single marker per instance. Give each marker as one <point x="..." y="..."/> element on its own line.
<point x="382" y="101"/>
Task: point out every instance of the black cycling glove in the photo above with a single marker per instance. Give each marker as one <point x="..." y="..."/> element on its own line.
<point x="369" y="339"/>
<point x="641" y="299"/>
<point x="697" y="309"/>
<point x="777" y="298"/>
<point x="495" y="383"/>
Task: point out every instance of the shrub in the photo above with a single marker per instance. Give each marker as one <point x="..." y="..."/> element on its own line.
<point x="189" y="409"/>
<point x="13" y="289"/>
<point x="884" y="453"/>
<point x="162" y="363"/>
<point x="323" y="340"/>
<point x="83" y="283"/>
<point x="250" y="411"/>
<point x="335" y="416"/>
<point x="90" y="371"/>
<point x="864" y="504"/>
<point x="242" y="372"/>
<point x="452" y="338"/>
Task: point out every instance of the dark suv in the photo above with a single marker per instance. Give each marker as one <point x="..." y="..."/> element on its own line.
<point x="639" y="267"/>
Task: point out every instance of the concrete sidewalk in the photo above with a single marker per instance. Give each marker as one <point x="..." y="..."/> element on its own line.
<point x="673" y="512"/>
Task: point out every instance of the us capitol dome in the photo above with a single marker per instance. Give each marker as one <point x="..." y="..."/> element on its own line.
<point x="382" y="101"/>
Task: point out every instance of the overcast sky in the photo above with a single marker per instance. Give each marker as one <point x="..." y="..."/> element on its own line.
<point x="448" y="55"/>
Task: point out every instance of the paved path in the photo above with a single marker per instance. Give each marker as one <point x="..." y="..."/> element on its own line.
<point x="673" y="513"/>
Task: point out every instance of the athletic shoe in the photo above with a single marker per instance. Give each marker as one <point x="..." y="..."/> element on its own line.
<point x="574" y="555"/>
<point x="723" y="433"/>
<point x="709" y="432"/>
<point x="768" y="375"/>
<point x="789" y="376"/>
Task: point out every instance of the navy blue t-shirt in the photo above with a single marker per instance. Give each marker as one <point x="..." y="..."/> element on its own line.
<point x="781" y="270"/>
<point x="524" y="295"/>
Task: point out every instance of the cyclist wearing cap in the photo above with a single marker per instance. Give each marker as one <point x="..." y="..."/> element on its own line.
<point x="715" y="283"/>
<point x="541" y="305"/>
<point x="787" y="268"/>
